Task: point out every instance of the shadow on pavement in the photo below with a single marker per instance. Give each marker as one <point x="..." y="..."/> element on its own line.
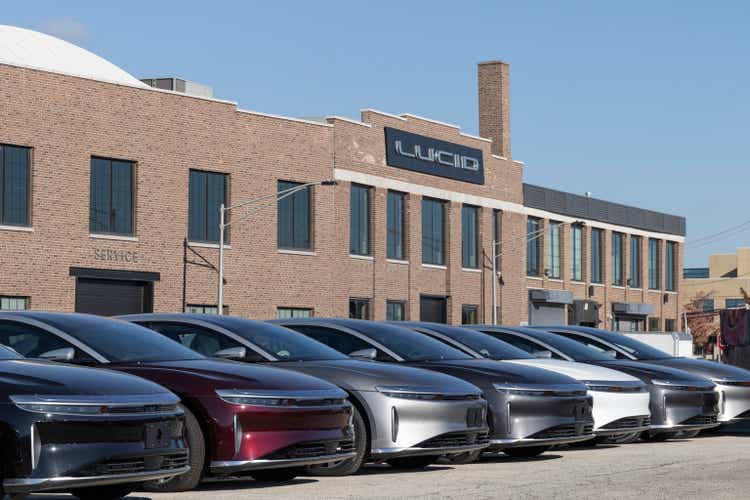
<point x="501" y="458"/>
<point x="242" y="483"/>
<point x="387" y="469"/>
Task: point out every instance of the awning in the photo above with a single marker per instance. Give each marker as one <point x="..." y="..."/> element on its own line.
<point x="633" y="308"/>
<point x="551" y="296"/>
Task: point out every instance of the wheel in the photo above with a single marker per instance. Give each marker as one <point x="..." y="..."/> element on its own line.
<point x="111" y="492"/>
<point x="688" y="434"/>
<point x="412" y="462"/>
<point x="468" y="457"/>
<point x="352" y="465"/>
<point x="658" y="437"/>
<point x="527" y="452"/>
<point x="277" y="475"/>
<point x="628" y="438"/>
<point x="197" y="452"/>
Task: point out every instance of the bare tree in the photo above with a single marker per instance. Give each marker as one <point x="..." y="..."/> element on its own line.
<point x="704" y="323"/>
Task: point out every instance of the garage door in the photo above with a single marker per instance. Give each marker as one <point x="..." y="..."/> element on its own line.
<point x="113" y="297"/>
<point x="433" y="309"/>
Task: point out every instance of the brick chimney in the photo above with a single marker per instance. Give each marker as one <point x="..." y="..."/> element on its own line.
<point x="494" y="105"/>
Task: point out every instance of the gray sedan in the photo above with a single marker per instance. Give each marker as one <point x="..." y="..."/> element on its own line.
<point x="405" y="416"/>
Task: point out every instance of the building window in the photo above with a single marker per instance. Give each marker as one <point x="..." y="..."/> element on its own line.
<point x="695" y="272"/>
<point x="617" y="263"/>
<point x="10" y="303"/>
<point x="635" y="261"/>
<point x="293" y="312"/>
<point x="670" y="260"/>
<point x="654" y="324"/>
<point x="395" y="310"/>
<point x="359" y="220"/>
<point x="112" y="196"/>
<point x="669" y="325"/>
<point x="469" y="315"/>
<point x="294" y="217"/>
<point x="654" y="269"/>
<point x="206" y="192"/>
<point x="15" y="185"/>
<point x="204" y="309"/>
<point x="729" y="303"/>
<point x="497" y="234"/>
<point x="533" y="238"/>
<point x="706" y="305"/>
<point x="553" y="249"/>
<point x="576" y="252"/>
<point x="359" y="308"/>
<point x="396" y="226"/>
<point x="433" y="231"/>
<point x="470" y="237"/>
<point x="597" y="241"/>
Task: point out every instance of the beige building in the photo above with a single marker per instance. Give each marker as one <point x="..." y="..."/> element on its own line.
<point x="720" y="282"/>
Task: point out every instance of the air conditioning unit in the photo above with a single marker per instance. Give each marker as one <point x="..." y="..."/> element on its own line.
<point x="584" y="312"/>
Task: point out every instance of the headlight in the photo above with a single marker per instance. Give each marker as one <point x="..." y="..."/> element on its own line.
<point x="682" y="386"/>
<point x="521" y="390"/>
<point x="63" y="409"/>
<point x="610" y="386"/>
<point x="422" y="393"/>
<point x="251" y="398"/>
<point x="94" y="406"/>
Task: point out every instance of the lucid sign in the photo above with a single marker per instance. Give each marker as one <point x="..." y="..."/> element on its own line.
<point x="433" y="157"/>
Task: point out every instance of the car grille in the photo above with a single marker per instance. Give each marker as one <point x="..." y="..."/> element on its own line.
<point x="311" y="450"/>
<point x="99" y="432"/>
<point x="134" y="465"/>
<point x="701" y="420"/>
<point x="559" y="431"/>
<point x="628" y="423"/>
<point x="455" y="439"/>
<point x="140" y="409"/>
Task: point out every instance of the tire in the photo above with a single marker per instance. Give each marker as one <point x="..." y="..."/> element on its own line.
<point x="352" y="465"/>
<point x="111" y="492"/>
<point x="468" y="457"/>
<point x="526" y="452"/>
<point x="197" y="451"/>
<point x="277" y="475"/>
<point x="628" y="438"/>
<point x="412" y="463"/>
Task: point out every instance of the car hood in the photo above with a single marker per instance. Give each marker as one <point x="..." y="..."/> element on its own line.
<point x="43" y="378"/>
<point x="202" y="377"/>
<point x="360" y="375"/>
<point x="704" y="368"/>
<point x="579" y="371"/>
<point x="648" y="371"/>
<point x="485" y="372"/>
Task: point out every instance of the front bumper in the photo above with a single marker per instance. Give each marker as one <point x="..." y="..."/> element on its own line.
<point x="734" y="402"/>
<point x="35" y="485"/>
<point x="411" y="427"/>
<point x="521" y="421"/>
<point x="680" y="410"/>
<point x="620" y="412"/>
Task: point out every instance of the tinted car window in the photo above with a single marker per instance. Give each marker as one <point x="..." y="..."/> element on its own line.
<point x="283" y="343"/>
<point x="408" y="344"/>
<point x="6" y="353"/>
<point x="571" y="348"/>
<point x="592" y="343"/>
<point x="32" y="342"/>
<point x="341" y="341"/>
<point x="636" y="348"/>
<point x="486" y="345"/>
<point x="200" y="340"/>
<point x="120" y="341"/>
<point x="522" y="343"/>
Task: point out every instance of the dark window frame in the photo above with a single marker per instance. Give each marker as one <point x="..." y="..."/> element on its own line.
<point x="363" y="244"/>
<point x="470" y="236"/>
<point x="306" y="242"/>
<point x="205" y="237"/>
<point x="25" y="298"/>
<point x="469" y="309"/>
<point x="554" y="249"/>
<point x="654" y="264"/>
<point x="109" y="225"/>
<point x="618" y="258"/>
<point x="437" y="256"/>
<point x="294" y="310"/>
<point x="399" y="303"/>
<point x="396" y="237"/>
<point x="4" y="220"/>
<point x="636" y="260"/>
<point x="577" y="260"/>
<point x="359" y="302"/>
<point x="670" y="266"/>
<point x="534" y="239"/>
<point x="596" y="267"/>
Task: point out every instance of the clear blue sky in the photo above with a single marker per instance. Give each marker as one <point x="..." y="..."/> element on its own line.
<point x="640" y="102"/>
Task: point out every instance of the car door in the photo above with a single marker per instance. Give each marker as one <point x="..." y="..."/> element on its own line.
<point x="34" y="342"/>
<point x="200" y="339"/>
<point x="340" y="340"/>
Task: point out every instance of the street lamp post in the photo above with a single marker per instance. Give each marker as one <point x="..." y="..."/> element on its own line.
<point x="255" y="205"/>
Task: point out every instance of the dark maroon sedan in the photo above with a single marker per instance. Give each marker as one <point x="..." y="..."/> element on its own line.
<point x="240" y="419"/>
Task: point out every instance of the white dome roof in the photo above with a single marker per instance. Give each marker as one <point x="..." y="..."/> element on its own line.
<point x="31" y="49"/>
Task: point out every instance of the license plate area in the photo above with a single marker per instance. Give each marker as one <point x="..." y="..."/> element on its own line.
<point x="157" y="435"/>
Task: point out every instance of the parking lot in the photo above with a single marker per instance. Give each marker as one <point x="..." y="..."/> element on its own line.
<point x="706" y="467"/>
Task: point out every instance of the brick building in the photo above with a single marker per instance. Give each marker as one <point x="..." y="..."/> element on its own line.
<point x="111" y="190"/>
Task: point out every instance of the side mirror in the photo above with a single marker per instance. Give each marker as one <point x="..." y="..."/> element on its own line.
<point x="231" y="353"/>
<point x="369" y="353"/>
<point x="611" y="353"/>
<point x="543" y="354"/>
<point x="64" y="354"/>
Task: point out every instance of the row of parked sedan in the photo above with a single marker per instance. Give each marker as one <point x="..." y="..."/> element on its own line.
<point x="186" y="397"/>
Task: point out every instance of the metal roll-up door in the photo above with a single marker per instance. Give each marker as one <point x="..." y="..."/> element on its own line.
<point x="113" y="297"/>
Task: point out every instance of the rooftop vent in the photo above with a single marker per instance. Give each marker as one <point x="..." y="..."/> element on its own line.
<point x="180" y="85"/>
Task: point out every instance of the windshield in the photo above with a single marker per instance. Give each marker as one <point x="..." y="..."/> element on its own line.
<point x="571" y="348"/>
<point x="7" y="353"/>
<point x="486" y="345"/>
<point x="407" y="344"/>
<point x="120" y="341"/>
<point x="284" y="344"/>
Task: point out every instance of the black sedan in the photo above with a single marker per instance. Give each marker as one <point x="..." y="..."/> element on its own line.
<point x="94" y="433"/>
<point x="530" y="409"/>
